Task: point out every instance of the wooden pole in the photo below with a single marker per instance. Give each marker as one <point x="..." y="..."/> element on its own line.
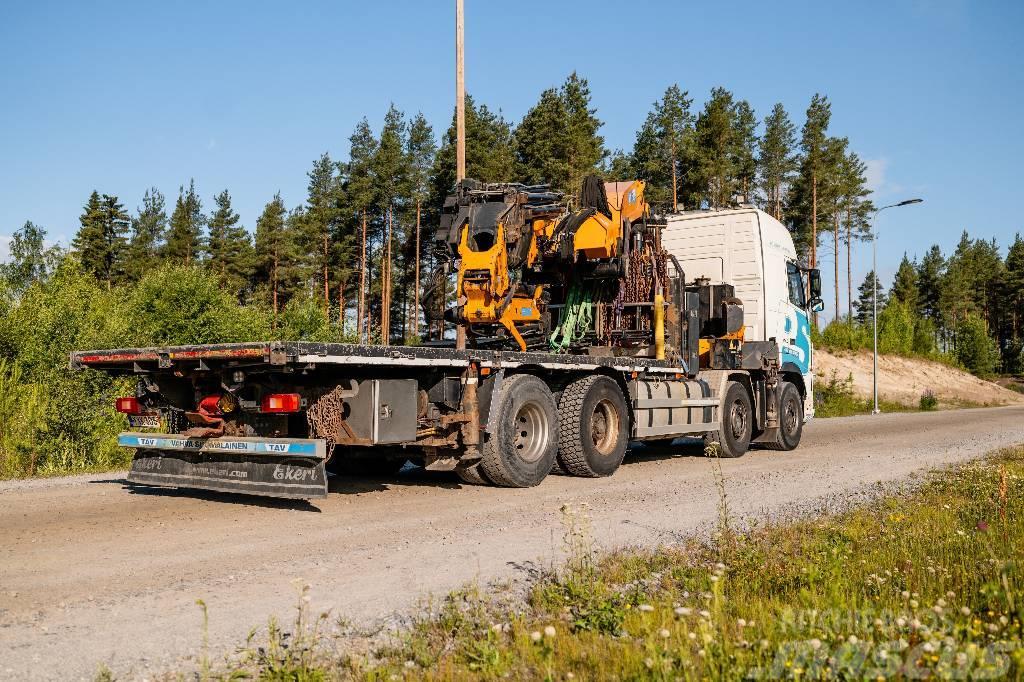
<point x="416" y="285"/>
<point x="362" y="286"/>
<point x="386" y="293"/>
<point x="460" y="126"/>
<point x="460" y="92"/>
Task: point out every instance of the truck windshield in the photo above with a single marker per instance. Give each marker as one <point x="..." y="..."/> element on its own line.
<point x="797" y="290"/>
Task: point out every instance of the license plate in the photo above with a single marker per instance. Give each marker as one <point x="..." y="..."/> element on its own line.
<point x="144" y="421"/>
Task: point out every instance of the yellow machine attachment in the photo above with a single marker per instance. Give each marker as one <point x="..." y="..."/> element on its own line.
<point x="599" y="236"/>
<point x="487" y="290"/>
<point x="512" y="241"/>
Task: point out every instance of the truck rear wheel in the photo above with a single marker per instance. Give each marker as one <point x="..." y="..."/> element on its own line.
<point x="593" y="427"/>
<point x="736" y="416"/>
<point x="522" y="449"/>
<point x="791" y="419"/>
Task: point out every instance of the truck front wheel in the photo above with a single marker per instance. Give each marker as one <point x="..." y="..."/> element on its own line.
<point x="593" y="427"/>
<point x="791" y="419"/>
<point x="736" y="416"/>
<point x="521" y="450"/>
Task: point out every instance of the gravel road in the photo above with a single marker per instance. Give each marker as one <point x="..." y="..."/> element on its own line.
<point x="93" y="571"/>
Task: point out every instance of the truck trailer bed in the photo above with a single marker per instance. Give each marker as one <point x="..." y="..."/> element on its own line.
<point x="282" y="353"/>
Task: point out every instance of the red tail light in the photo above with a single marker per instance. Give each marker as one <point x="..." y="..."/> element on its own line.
<point x="127" y="405"/>
<point x="281" y="402"/>
<point x="210" y="405"/>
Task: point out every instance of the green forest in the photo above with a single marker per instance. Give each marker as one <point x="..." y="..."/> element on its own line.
<point x="354" y="260"/>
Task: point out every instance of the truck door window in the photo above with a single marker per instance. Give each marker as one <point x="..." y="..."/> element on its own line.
<point x="797" y="294"/>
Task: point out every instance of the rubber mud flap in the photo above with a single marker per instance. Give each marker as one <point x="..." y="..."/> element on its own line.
<point x="267" y="475"/>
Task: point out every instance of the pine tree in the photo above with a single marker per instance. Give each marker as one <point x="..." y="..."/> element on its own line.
<point x="100" y="241"/>
<point x="541" y="141"/>
<point x="855" y="209"/>
<point x="185" y="236"/>
<point x="148" y="228"/>
<point x="972" y="283"/>
<point x="322" y="217"/>
<point x="230" y="246"/>
<point x="930" y="274"/>
<point x="29" y="259"/>
<point x="865" y="305"/>
<point x="958" y="292"/>
<point x="831" y="199"/>
<point x="744" y="149"/>
<point x="713" y="174"/>
<point x="490" y="152"/>
<point x="619" y="166"/>
<point x="420" y="151"/>
<point x="1014" y="288"/>
<point x="557" y="140"/>
<point x="904" y="286"/>
<point x="585" y="148"/>
<point x="274" y="248"/>
<point x="391" y="182"/>
<point x="360" y="193"/>
<point x="777" y="162"/>
<point x="813" y="161"/>
<point x="662" y="146"/>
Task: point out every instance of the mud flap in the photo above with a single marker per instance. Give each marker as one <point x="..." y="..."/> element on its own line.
<point x="292" y="468"/>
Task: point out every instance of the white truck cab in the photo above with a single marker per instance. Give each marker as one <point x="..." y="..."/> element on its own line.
<point x="754" y="252"/>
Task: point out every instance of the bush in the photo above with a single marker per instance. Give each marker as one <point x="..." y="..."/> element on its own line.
<point x="896" y="329"/>
<point x="928" y="401"/>
<point x="69" y="420"/>
<point x="177" y="305"/>
<point x="304" y="319"/>
<point x="845" y="335"/>
<point x="973" y="347"/>
<point x="924" y="337"/>
<point x="834" y="398"/>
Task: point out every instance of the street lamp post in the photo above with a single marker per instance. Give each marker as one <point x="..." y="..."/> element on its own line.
<point x="874" y="299"/>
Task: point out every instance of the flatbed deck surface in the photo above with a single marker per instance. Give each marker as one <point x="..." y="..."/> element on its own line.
<point x="307" y="352"/>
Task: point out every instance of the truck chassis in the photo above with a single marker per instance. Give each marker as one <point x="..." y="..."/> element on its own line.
<point x="494" y="416"/>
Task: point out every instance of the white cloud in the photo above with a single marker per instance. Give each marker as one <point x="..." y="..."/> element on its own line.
<point x="875" y="174"/>
<point x="5" y="242"/>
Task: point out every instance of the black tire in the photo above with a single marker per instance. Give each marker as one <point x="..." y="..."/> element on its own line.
<point x="593" y="427"/>
<point x="736" y="415"/>
<point x="523" y="448"/>
<point x="791" y="419"/>
<point x="472" y="475"/>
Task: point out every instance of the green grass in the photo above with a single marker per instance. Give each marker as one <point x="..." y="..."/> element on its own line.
<point x="925" y="582"/>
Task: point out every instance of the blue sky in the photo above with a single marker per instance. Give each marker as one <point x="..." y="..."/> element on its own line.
<point x="120" y="96"/>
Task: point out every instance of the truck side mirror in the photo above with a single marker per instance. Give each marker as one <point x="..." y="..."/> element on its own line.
<point x="817" y="305"/>
<point x="814" y="275"/>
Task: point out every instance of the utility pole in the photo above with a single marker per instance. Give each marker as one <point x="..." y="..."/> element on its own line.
<point x="460" y="92"/>
<point x="460" y="127"/>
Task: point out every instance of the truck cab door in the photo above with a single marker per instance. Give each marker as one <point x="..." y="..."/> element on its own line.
<point x="795" y="333"/>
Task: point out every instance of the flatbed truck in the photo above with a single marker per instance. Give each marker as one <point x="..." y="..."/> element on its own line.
<point x="271" y="418"/>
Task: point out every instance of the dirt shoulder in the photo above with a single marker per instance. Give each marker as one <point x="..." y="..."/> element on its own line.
<point x="903" y="380"/>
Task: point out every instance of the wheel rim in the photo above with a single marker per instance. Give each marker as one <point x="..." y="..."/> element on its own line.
<point x="532" y="432"/>
<point x="790" y="417"/>
<point x="738" y="420"/>
<point x="604" y="427"/>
